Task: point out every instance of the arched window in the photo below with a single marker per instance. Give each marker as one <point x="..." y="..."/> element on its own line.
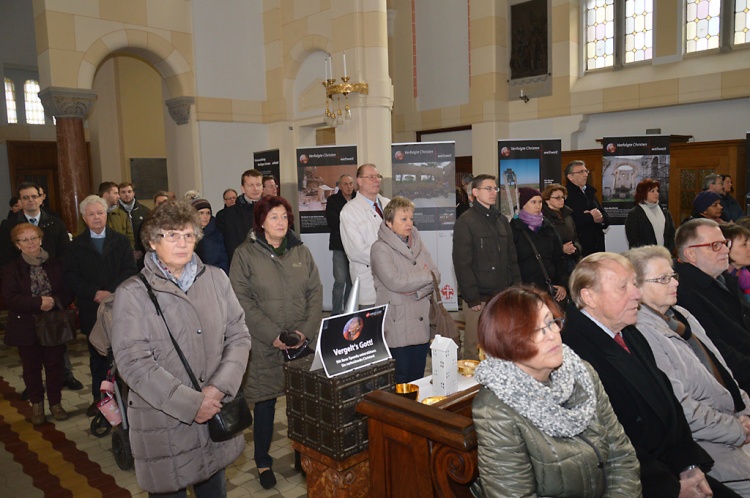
<point x="34" y="108"/>
<point x="10" y="101"/>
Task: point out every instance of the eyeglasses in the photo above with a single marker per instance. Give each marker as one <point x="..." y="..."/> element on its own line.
<point x="579" y="172"/>
<point x="489" y="189"/>
<point x="715" y="245"/>
<point x="30" y="197"/>
<point x="373" y="177"/>
<point x="558" y="322"/>
<point x="26" y="241"/>
<point x="664" y="279"/>
<point x="558" y="197"/>
<point x="230" y="198"/>
<point x="173" y="237"/>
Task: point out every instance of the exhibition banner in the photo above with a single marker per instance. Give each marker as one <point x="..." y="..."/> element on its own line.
<point x="318" y="171"/>
<point x="526" y="163"/>
<point x="267" y="162"/>
<point x="747" y="173"/>
<point x="626" y="162"/>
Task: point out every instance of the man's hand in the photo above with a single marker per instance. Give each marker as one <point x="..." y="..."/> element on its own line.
<point x="597" y="215"/>
<point x="693" y="484"/>
<point x="47" y="303"/>
<point x="101" y="295"/>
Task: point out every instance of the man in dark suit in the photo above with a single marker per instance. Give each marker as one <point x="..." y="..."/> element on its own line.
<point x="588" y="213"/>
<point x="599" y="327"/>
<point x="712" y="295"/>
<point x="236" y="221"/>
<point x="342" y="280"/>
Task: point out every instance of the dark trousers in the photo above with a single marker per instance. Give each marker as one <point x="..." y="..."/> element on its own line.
<point x="263" y="414"/>
<point x="410" y="362"/>
<point x="99" y="366"/>
<point x="33" y="358"/>
<point x="214" y="487"/>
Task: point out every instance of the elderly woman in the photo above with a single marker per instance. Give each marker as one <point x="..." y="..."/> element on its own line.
<point x="277" y="282"/>
<point x="541" y="258"/>
<point x="739" y="255"/>
<point x="714" y="405"/>
<point x="648" y="223"/>
<point x="33" y="284"/>
<point x="543" y="420"/>
<point x="557" y="213"/>
<point x="211" y="247"/>
<point x="167" y="414"/>
<point x="402" y="269"/>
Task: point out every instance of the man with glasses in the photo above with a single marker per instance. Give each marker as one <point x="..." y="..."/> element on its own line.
<point x="712" y="295"/>
<point x="484" y="257"/>
<point x="588" y="214"/>
<point x="360" y="221"/>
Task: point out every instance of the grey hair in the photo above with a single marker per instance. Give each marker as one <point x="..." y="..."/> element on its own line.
<point x="642" y="256"/>
<point x="170" y="215"/>
<point x="92" y="199"/>
<point x="688" y="232"/>
<point x="398" y="202"/>
<point x="710" y="179"/>
<point x="586" y="275"/>
<point x="571" y="164"/>
<point x="192" y="195"/>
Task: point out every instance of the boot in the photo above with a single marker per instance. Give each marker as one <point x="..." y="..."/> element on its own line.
<point x="37" y="413"/>
<point x="58" y="412"/>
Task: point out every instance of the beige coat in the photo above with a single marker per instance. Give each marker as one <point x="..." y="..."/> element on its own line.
<point x="172" y="451"/>
<point x="402" y="282"/>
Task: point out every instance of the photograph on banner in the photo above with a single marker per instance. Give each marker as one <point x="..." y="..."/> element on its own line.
<point x="626" y="162"/>
<point x="267" y="162"/>
<point x="318" y="173"/>
<point x="526" y="163"/>
<point x="352" y="340"/>
<point x="425" y="173"/>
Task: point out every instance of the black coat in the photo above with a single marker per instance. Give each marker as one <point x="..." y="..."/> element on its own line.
<point x="548" y="243"/>
<point x="722" y="314"/>
<point x="643" y="401"/>
<point x="590" y="234"/>
<point x="55" y="240"/>
<point x="211" y="248"/>
<point x="333" y="216"/>
<point x="640" y="231"/>
<point x="235" y="222"/>
<point x="86" y="271"/>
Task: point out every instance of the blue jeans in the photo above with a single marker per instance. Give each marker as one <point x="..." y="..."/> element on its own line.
<point x="342" y="281"/>
<point x="213" y="487"/>
<point x="410" y="362"/>
<point x="263" y="414"/>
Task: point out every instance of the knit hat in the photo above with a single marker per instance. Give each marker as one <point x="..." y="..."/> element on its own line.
<point x="199" y="204"/>
<point x="704" y="200"/>
<point x="525" y="194"/>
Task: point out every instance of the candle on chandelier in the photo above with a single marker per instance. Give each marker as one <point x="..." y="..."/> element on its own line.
<point x="345" y="75"/>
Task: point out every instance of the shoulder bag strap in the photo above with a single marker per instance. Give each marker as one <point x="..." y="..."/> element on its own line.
<point x="176" y="346"/>
<point x="436" y="289"/>
<point x="538" y="256"/>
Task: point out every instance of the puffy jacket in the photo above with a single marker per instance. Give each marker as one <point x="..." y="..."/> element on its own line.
<point x="402" y="282"/>
<point x="277" y="293"/>
<point x="517" y="459"/>
<point x="171" y="451"/>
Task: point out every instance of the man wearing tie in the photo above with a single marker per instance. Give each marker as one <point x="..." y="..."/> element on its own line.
<point x="360" y="221"/>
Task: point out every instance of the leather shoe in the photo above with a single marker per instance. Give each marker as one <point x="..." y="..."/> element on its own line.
<point x="58" y="412"/>
<point x="92" y="410"/>
<point x="72" y="383"/>
<point x="267" y="479"/>
<point x="37" y="413"/>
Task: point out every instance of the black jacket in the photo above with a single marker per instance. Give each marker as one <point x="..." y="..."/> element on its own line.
<point x="590" y="234"/>
<point x="333" y="216"/>
<point x="484" y="256"/>
<point x="137" y="215"/>
<point x="643" y="401"/>
<point x="722" y="314"/>
<point x="211" y="248"/>
<point x="548" y="243"/>
<point x="55" y="240"/>
<point x="235" y="222"/>
<point x="86" y="271"/>
<point x="640" y="231"/>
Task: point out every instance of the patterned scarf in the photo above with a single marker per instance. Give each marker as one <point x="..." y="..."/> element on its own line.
<point x="189" y="272"/>
<point x="544" y="405"/>
<point x="40" y="285"/>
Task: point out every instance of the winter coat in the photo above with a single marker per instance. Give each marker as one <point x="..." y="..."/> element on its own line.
<point x="86" y="271"/>
<point x="402" y="282"/>
<point x="235" y="222"/>
<point x="118" y="220"/>
<point x="484" y="256"/>
<point x="709" y="407"/>
<point x="170" y="449"/>
<point x="359" y="231"/>
<point x="211" y="248"/>
<point x="548" y="244"/>
<point x="590" y="234"/>
<point x="566" y="229"/>
<point x="518" y="459"/>
<point x="732" y="208"/>
<point x="55" y="240"/>
<point x="22" y="306"/>
<point x="335" y="204"/>
<point x="640" y="231"/>
<point x="277" y="293"/>
<point x="136" y="216"/>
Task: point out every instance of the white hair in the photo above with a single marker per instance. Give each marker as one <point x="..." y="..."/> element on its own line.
<point x="92" y="199"/>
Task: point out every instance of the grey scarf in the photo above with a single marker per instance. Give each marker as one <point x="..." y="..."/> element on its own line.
<point x="543" y="404"/>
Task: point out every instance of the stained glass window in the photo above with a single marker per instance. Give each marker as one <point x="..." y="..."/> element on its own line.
<point x="10" y="101"/>
<point x="703" y="25"/>
<point x="34" y="108"/>
<point x="639" y="30"/>
<point x="600" y="33"/>
<point x="741" y="22"/>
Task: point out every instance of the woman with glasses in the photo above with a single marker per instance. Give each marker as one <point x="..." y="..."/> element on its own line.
<point x="277" y="283"/>
<point x="557" y="213"/>
<point x="544" y="423"/>
<point x="167" y="414"/>
<point x="648" y="223"/>
<point x="739" y="255"/>
<point x="715" y="407"/>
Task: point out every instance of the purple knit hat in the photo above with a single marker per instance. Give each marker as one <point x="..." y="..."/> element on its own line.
<point x="525" y="194"/>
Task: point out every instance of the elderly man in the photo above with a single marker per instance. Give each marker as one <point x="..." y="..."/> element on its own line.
<point x="712" y="295"/>
<point x="98" y="260"/>
<point x="342" y="280"/>
<point x="599" y="327"/>
<point x="588" y="213"/>
<point x="360" y="221"/>
<point x="236" y="221"/>
<point x="484" y="256"/>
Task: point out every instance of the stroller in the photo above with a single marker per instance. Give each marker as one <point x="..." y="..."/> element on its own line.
<point x="116" y="393"/>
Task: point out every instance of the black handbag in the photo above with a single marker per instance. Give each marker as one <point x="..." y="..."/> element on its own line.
<point x="235" y="415"/>
<point x="56" y="326"/>
<point x="550" y="288"/>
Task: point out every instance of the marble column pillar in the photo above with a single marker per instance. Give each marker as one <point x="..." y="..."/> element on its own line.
<point x="70" y="106"/>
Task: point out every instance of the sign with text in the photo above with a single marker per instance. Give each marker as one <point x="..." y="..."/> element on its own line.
<point x="267" y="162"/>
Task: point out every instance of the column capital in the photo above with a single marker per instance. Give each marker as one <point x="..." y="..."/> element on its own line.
<point x="179" y="109"/>
<point x="67" y="102"/>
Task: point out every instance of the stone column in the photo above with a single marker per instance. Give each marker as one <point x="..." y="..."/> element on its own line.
<point x="70" y="106"/>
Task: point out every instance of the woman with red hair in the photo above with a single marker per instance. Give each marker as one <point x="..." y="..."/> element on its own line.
<point x="648" y="223"/>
